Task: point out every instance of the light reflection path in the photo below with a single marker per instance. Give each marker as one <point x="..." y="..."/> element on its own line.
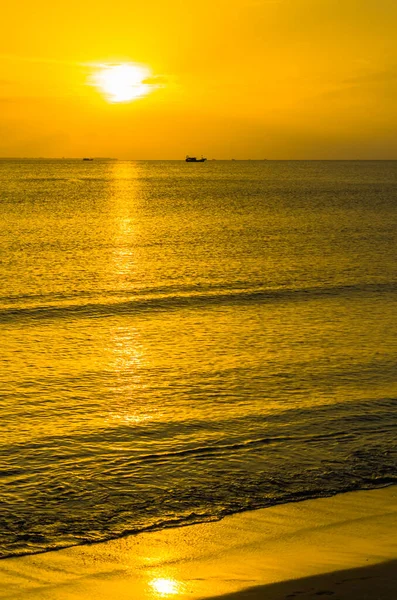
<point x="125" y="353"/>
<point x="165" y="587"/>
<point x="124" y="187"/>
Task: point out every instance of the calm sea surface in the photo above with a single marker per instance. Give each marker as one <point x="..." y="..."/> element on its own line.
<point x="184" y="341"/>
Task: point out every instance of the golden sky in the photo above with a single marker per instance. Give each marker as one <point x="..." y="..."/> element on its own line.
<point x="273" y="79"/>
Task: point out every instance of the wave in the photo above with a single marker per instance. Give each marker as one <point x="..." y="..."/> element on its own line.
<point x="180" y="301"/>
<point x="341" y="422"/>
<point x="43" y="546"/>
<point x="113" y="492"/>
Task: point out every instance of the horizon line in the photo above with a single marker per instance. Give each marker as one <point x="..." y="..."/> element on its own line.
<point x="104" y="158"/>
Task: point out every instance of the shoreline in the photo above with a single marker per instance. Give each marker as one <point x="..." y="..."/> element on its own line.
<point x="244" y="555"/>
<point x="177" y="525"/>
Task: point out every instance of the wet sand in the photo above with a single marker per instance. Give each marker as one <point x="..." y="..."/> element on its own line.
<point x="374" y="582"/>
<point x="340" y="547"/>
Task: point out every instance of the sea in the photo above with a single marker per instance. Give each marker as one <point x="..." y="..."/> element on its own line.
<point x="180" y="342"/>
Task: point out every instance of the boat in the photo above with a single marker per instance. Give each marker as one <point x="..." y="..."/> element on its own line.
<point x="88" y="159"/>
<point x="194" y="159"/>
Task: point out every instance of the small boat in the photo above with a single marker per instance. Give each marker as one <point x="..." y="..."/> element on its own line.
<point x="88" y="159"/>
<point x="194" y="159"/>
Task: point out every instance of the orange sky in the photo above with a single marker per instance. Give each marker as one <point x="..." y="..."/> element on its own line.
<point x="236" y="78"/>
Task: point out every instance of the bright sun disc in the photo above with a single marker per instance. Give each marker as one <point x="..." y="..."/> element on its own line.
<point x="122" y="83"/>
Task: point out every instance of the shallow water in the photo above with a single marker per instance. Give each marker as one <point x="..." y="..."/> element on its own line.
<point x="183" y="341"/>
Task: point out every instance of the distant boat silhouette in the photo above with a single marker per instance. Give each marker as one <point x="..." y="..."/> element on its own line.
<point x="194" y="159"/>
<point x="88" y="159"/>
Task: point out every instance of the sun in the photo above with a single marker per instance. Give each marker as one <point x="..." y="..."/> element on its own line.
<point x="122" y="82"/>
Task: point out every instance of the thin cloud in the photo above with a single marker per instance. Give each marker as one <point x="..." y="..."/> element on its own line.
<point x="38" y="59"/>
<point x="156" y="80"/>
<point x="373" y="77"/>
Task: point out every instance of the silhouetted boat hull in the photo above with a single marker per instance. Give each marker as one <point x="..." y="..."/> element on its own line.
<point x="194" y="159"/>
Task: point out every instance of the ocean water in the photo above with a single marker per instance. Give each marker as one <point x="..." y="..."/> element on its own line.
<point x="184" y="341"/>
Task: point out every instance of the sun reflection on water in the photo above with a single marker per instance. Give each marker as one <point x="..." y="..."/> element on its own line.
<point x="126" y="354"/>
<point x="165" y="587"/>
<point x="124" y="186"/>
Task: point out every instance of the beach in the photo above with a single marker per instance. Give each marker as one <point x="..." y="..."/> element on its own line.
<point x="344" y="547"/>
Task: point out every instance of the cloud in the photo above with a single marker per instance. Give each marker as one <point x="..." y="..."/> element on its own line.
<point x="38" y="60"/>
<point x="370" y="84"/>
<point x="373" y="77"/>
<point x="156" y="80"/>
